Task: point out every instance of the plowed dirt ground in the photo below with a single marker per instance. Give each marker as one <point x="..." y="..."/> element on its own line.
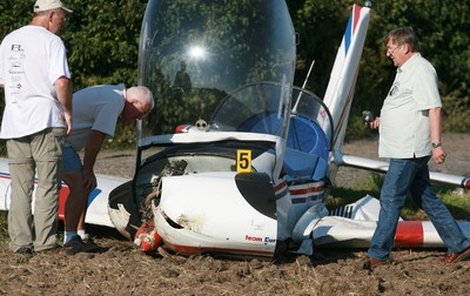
<point x="121" y="269"/>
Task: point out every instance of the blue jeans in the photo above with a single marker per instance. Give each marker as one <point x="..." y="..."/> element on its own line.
<point x="412" y="176"/>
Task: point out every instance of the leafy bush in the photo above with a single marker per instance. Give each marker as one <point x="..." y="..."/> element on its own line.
<point x="102" y="38"/>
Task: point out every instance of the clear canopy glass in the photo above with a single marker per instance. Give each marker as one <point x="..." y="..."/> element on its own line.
<point x="229" y="63"/>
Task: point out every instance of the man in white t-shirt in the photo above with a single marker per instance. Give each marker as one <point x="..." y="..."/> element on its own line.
<point x="35" y="75"/>
<point x="95" y="114"/>
<point x="410" y="134"/>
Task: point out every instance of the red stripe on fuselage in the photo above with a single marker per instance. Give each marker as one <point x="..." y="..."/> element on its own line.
<point x="306" y="190"/>
<point x="280" y="186"/>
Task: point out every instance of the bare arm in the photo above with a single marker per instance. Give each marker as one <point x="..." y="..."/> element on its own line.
<point x="435" y="122"/>
<point x="63" y="88"/>
<point x="92" y="148"/>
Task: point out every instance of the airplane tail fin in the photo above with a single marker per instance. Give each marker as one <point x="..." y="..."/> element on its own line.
<point x="340" y="90"/>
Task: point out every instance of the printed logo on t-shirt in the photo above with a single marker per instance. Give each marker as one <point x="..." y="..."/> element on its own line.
<point x="16" y="69"/>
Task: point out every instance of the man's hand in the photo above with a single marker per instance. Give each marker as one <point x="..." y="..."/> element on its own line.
<point x="369" y="120"/>
<point x="68" y="122"/>
<point x="374" y="124"/>
<point x="89" y="179"/>
<point x="439" y="155"/>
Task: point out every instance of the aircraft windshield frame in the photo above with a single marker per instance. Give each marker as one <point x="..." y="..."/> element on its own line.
<point x="195" y="54"/>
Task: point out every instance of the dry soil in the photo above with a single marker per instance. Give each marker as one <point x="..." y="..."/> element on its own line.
<point x="122" y="269"/>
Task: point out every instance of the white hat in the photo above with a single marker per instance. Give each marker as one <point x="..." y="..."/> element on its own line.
<point x="43" y="5"/>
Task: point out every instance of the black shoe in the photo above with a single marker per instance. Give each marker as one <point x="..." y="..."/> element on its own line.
<point x="76" y="245"/>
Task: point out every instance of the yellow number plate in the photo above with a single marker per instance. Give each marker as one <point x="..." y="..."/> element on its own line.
<point x="244" y="161"/>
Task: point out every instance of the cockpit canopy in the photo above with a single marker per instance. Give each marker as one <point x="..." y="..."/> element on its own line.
<point x="217" y="61"/>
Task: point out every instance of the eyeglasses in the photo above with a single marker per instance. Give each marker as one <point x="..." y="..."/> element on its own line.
<point x="391" y="51"/>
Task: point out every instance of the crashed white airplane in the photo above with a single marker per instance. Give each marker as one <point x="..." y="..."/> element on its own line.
<point x="251" y="174"/>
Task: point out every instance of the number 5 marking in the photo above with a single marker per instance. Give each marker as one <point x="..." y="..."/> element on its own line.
<point x="244" y="161"/>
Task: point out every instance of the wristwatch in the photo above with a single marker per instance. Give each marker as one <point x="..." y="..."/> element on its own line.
<point x="436" y="144"/>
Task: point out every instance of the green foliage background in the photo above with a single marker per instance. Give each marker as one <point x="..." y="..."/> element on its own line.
<point x="102" y="39"/>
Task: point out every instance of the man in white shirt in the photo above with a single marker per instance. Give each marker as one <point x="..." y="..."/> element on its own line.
<point x="95" y="114"/>
<point x="410" y="134"/>
<point x="35" y="75"/>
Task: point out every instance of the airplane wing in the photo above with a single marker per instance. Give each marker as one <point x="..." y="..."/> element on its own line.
<point x="382" y="167"/>
<point x="97" y="211"/>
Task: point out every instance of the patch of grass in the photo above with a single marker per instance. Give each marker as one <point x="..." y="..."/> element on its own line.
<point x="3" y="230"/>
<point x="340" y="196"/>
<point x="458" y="203"/>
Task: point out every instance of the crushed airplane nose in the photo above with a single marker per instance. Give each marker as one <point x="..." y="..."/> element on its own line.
<point x="147" y="237"/>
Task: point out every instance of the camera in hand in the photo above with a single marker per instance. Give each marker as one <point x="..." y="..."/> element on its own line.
<point x="367" y="116"/>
